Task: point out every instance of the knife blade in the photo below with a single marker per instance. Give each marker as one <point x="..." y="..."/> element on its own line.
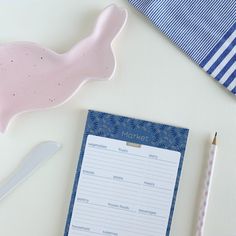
<point x="39" y="154"/>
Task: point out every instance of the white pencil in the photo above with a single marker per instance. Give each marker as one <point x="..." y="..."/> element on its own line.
<point x="206" y="188"/>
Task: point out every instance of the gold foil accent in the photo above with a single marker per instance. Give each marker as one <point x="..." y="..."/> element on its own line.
<point x="133" y="144"/>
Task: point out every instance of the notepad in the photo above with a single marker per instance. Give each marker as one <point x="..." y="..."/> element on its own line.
<point x="124" y="188"/>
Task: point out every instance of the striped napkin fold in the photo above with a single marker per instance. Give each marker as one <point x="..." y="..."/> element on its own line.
<point x="204" y="29"/>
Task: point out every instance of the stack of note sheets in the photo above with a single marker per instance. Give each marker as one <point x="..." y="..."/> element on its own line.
<point x="124" y="187"/>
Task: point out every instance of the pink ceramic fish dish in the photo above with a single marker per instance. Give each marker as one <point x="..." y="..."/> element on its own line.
<point x="33" y="77"/>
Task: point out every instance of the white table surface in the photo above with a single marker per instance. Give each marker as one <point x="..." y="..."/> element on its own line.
<point x="153" y="81"/>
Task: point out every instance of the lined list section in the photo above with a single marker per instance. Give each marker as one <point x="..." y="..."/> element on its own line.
<point x="123" y="189"/>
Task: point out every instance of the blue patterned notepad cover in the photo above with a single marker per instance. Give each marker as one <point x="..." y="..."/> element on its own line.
<point x="134" y="131"/>
<point x="204" y="30"/>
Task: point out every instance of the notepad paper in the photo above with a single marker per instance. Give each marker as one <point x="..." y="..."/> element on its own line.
<point x="125" y="188"/>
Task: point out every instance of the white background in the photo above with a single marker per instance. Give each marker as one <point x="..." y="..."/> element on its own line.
<point x="154" y="81"/>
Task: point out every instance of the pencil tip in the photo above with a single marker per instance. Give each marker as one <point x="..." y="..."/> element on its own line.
<point x="214" y="140"/>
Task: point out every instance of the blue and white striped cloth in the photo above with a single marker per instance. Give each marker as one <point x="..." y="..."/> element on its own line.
<point x="204" y="29"/>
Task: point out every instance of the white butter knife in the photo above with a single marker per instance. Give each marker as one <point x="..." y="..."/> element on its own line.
<point x="38" y="154"/>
